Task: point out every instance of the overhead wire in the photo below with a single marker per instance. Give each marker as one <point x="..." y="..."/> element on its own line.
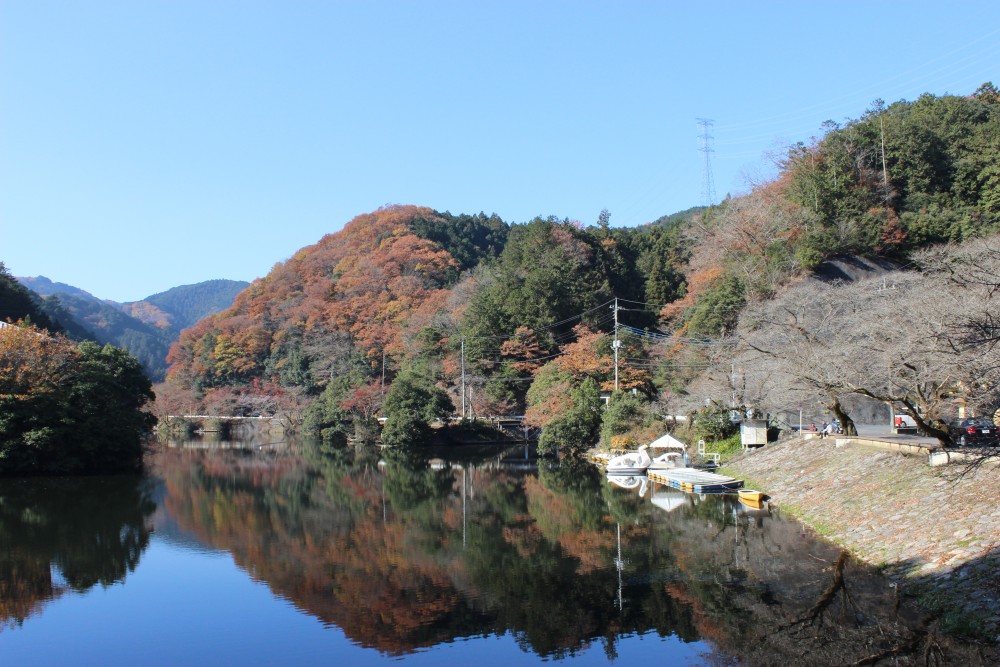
<point x="805" y="122"/>
<point x="496" y="357"/>
<point x="977" y="55"/>
<point x="549" y="326"/>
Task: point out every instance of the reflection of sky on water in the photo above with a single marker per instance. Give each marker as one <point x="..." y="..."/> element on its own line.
<point x="185" y="605"/>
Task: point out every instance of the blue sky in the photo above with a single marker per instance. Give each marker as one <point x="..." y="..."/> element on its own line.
<point x="146" y="144"/>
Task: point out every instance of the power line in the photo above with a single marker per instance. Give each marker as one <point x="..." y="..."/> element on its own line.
<point x="656" y="335"/>
<point x="553" y="325"/>
<point x="494" y="357"/>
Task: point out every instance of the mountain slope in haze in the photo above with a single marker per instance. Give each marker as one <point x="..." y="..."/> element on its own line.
<point x="108" y="324"/>
<point x="43" y="286"/>
<point x="146" y="328"/>
<point x="180" y="307"/>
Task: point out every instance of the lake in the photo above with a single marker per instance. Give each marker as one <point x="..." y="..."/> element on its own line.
<point x="292" y="553"/>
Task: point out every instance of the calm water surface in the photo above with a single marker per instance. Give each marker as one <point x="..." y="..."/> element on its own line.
<point x="263" y="553"/>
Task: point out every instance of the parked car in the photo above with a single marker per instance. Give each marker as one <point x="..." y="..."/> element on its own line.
<point x="973" y="431"/>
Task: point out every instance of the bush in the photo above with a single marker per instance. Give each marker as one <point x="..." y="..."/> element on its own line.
<point x="412" y="404"/>
<point x="623" y="413"/>
<point x="574" y="432"/>
<point x="713" y="424"/>
<point x="727" y="447"/>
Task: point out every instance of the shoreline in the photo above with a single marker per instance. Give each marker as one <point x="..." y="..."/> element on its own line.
<point x="936" y="531"/>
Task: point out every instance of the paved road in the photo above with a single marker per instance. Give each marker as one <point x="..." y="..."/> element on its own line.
<point x="884" y="432"/>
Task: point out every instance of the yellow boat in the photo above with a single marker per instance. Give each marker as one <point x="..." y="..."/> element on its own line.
<point x="752" y="498"/>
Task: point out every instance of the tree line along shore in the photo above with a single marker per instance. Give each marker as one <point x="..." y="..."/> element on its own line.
<point x="862" y="274"/>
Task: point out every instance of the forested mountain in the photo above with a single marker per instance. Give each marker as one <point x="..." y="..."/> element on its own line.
<point x="66" y="406"/>
<point x="146" y="328"/>
<point x="106" y="323"/>
<point x="900" y="177"/>
<point x="518" y="315"/>
<point x="45" y="287"/>
<point x="364" y="291"/>
<point x="18" y="303"/>
<point x="180" y="307"/>
<point x="390" y="288"/>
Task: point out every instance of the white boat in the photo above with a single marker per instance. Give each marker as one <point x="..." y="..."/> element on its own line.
<point x="676" y="457"/>
<point x="633" y="463"/>
<point x="626" y="481"/>
<point x="668" y="461"/>
<point x="630" y="482"/>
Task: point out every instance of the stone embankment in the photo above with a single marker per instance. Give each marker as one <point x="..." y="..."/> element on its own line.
<point x="934" y="529"/>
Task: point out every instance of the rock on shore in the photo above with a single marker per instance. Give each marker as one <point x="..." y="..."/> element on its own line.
<point x="936" y="530"/>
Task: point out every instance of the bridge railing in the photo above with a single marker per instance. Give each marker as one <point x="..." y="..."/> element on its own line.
<point x="218" y="417"/>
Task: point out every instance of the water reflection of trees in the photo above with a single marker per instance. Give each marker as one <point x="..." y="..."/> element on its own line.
<point x="87" y="530"/>
<point x="401" y="555"/>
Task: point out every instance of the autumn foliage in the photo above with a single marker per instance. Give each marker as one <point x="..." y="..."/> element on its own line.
<point x="34" y="362"/>
<point x="67" y="407"/>
<point x="406" y="288"/>
<point x="367" y="288"/>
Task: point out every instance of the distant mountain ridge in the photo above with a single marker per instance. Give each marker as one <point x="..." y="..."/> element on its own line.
<point x="43" y="286"/>
<point x="146" y="328"/>
<point x="187" y="304"/>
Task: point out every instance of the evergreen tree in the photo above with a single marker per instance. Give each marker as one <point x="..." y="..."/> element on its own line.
<point x="411" y="405"/>
<point x="575" y="431"/>
<point x="68" y="409"/>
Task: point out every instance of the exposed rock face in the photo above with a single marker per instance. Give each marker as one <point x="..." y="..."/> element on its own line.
<point x="849" y="269"/>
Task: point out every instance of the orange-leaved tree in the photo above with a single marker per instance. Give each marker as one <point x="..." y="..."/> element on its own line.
<point x="34" y="361"/>
<point x="368" y="289"/>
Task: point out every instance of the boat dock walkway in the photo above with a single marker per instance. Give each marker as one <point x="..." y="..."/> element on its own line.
<point x="696" y="481"/>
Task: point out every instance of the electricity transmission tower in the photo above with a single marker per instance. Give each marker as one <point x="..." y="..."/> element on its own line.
<point x="706" y="148"/>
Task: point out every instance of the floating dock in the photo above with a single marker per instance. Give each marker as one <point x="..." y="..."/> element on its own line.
<point x="695" y="481"/>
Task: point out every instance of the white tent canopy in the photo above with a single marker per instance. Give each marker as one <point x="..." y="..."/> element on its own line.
<point x="668" y="442"/>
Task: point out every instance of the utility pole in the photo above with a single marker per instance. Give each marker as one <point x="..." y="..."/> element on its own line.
<point x="617" y="343"/>
<point x="463" y="377"/>
<point x="885" y="171"/>
<point x="732" y="376"/>
<point x="812" y="163"/>
<point x="892" y="407"/>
